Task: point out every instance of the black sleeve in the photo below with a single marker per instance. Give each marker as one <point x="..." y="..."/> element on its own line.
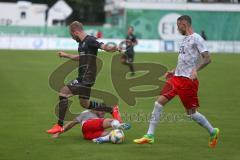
<point x="92" y="42"/>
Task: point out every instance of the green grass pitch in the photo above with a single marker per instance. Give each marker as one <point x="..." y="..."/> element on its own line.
<point x="27" y="110"/>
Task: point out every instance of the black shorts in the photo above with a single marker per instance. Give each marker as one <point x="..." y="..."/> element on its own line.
<point x="129" y="58"/>
<point x="81" y="89"/>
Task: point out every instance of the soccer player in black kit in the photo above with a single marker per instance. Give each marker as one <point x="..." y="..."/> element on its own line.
<point x="128" y="57"/>
<point x="88" y="49"/>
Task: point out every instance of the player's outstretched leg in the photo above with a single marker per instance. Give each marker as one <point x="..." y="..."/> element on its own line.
<point x="103" y="107"/>
<point x="98" y="140"/>
<point x="62" y="106"/>
<point x="202" y="121"/>
<point x="110" y="123"/>
<point x="116" y="114"/>
<point x="65" y="92"/>
<point x="102" y="139"/>
<point x="149" y="137"/>
<point x="117" y="125"/>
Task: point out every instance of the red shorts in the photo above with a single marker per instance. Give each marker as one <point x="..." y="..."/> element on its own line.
<point x="185" y="88"/>
<point x="93" y="128"/>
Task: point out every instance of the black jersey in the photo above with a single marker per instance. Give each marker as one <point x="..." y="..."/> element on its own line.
<point x="88" y="49"/>
<point x="130" y="46"/>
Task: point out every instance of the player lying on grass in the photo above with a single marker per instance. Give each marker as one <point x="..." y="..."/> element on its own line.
<point x="94" y="126"/>
<point x="183" y="82"/>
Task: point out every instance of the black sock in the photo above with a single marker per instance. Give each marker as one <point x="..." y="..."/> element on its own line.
<point x="100" y="107"/>
<point x="62" y="108"/>
<point x="131" y="67"/>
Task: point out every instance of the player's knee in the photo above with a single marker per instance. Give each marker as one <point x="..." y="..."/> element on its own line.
<point x="189" y="115"/>
<point x="162" y="100"/>
<point x="108" y="120"/>
<point x="158" y="102"/>
<point x="65" y="92"/>
<point x="190" y="112"/>
<point x="62" y="98"/>
<point x="84" y="103"/>
<point x="60" y="94"/>
<point x="123" y="61"/>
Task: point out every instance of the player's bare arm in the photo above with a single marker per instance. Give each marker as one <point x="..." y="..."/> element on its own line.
<point x="132" y="43"/>
<point x="66" y="127"/>
<point x="135" y="43"/>
<point x="169" y="73"/>
<point x="204" y="62"/>
<point x="69" y="56"/>
<point x="70" y="125"/>
<point x="108" y="48"/>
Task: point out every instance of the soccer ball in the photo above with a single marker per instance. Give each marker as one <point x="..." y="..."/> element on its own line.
<point x="116" y="136"/>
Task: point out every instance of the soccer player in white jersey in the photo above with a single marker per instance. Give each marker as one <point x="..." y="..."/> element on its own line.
<point x="182" y="81"/>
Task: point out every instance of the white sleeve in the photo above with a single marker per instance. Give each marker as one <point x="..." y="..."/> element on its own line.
<point x="79" y="118"/>
<point x="201" y="45"/>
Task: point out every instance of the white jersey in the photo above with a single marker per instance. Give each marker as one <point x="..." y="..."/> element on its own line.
<point x="189" y="54"/>
<point x="86" y="115"/>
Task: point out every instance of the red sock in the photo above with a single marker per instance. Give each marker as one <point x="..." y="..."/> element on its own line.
<point x="116" y="114"/>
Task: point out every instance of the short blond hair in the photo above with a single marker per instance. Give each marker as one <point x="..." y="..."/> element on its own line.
<point x="76" y="26"/>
